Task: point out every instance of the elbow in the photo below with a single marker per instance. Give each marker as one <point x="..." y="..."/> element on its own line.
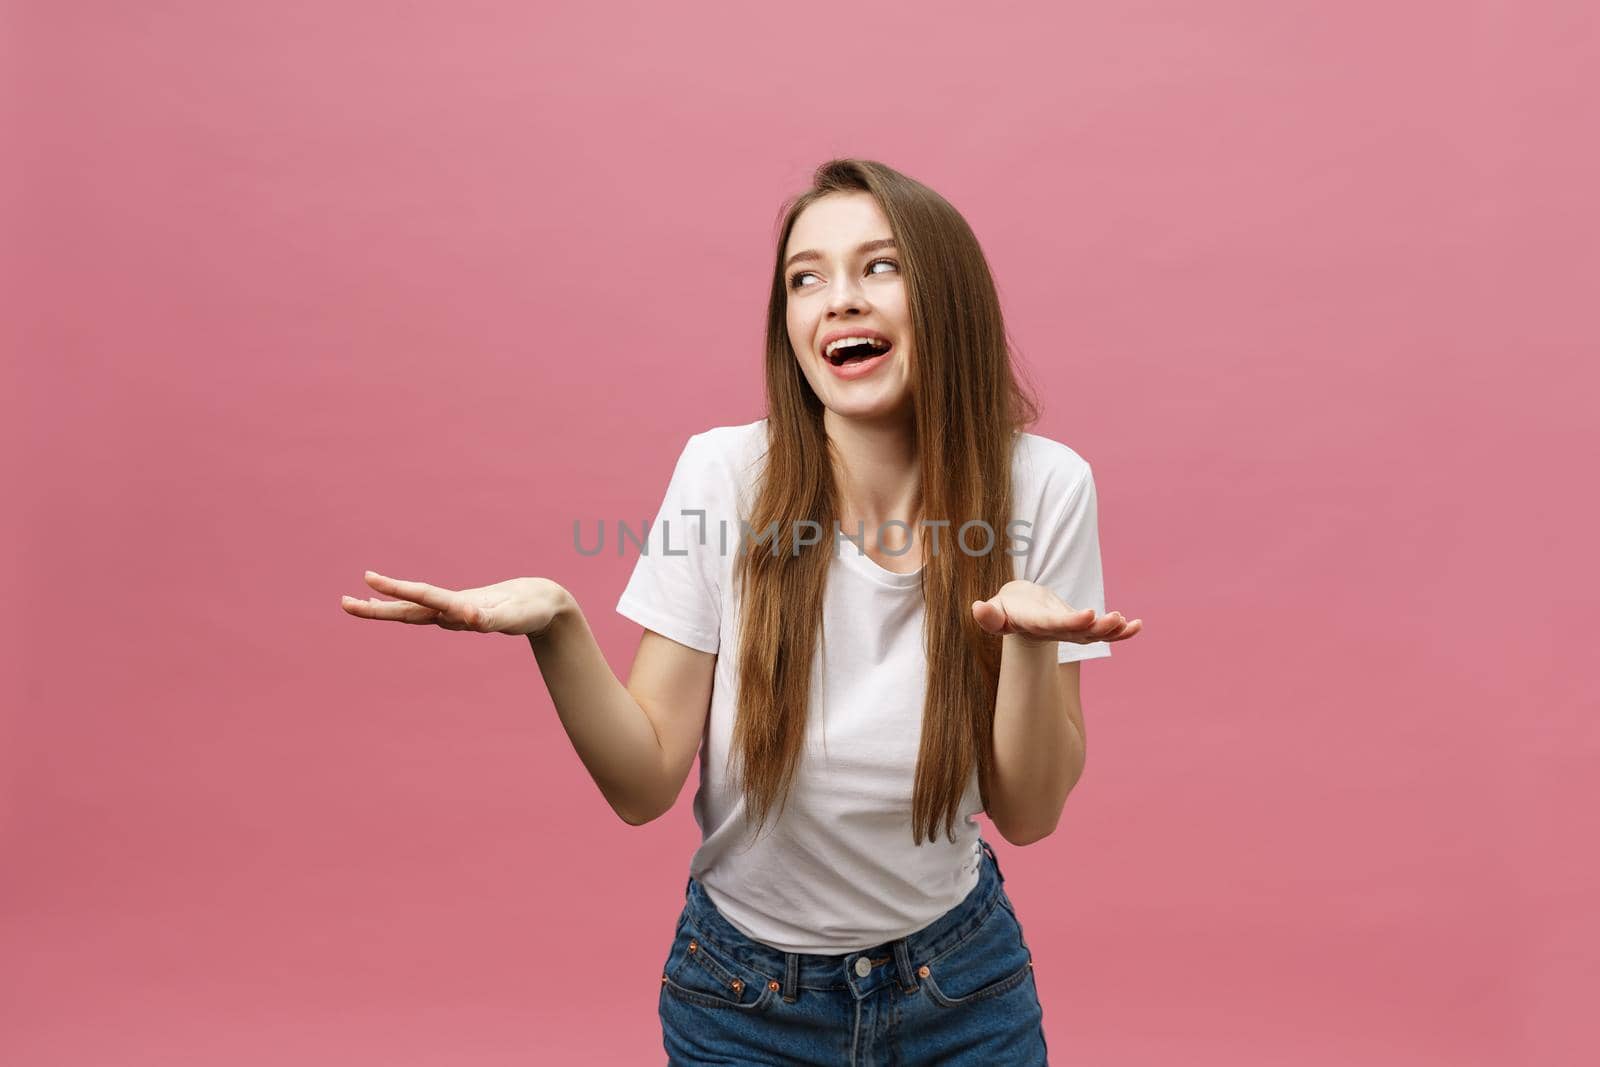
<point x="638" y="817"/>
<point x="1030" y="836"/>
<point x="637" y="806"/>
<point x="1023" y="834"/>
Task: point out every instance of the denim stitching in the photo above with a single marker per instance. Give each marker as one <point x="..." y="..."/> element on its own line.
<point x="733" y="957"/>
<point x="995" y="988"/>
<point x="965" y="936"/>
<point x="962" y="934"/>
<point x="695" y="996"/>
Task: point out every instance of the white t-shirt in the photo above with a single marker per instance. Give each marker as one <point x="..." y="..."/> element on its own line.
<point x="838" y="871"/>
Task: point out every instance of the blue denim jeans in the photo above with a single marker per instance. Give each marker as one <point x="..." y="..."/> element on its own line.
<point x="958" y="991"/>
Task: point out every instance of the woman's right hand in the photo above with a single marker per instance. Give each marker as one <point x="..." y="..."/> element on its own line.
<point x="518" y="606"/>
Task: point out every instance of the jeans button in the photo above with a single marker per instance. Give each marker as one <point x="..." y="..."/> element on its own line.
<point x="863" y="968"/>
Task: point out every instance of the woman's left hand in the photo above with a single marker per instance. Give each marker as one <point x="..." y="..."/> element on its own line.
<point x="1037" y="615"/>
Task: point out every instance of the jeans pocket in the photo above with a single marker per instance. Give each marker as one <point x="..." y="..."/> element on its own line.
<point x="703" y="973"/>
<point x="991" y="960"/>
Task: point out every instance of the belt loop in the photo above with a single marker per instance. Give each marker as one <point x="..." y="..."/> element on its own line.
<point x="791" y="976"/>
<point x="902" y="959"/>
<point x="990" y="850"/>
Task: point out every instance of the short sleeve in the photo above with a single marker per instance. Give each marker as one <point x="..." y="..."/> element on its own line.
<point x="675" y="588"/>
<point x="1065" y="559"/>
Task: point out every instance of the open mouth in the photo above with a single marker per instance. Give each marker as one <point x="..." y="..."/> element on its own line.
<point x="857" y="351"/>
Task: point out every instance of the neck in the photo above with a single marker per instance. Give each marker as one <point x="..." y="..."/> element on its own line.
<point x="877" y="470"/>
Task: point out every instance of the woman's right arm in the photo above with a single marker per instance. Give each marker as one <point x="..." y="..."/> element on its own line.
<point x="638" y="740"/>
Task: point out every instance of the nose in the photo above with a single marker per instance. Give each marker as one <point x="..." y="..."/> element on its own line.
<point x="846" y="295"/>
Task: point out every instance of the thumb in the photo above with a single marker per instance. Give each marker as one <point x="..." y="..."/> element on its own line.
<point x="991" y="617"/>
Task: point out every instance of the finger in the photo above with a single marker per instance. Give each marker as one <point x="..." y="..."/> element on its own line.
<point x="1075" y="626"/>
<point x="1076" y="621"/>
<point x="999" y="620"/>
<point x="1088" y="632"/>
<point x="468" y="616"/>
<point x="463" y="613"/>
<point x="1123" y="632"/>
<point x="390" y="610"/>
<point x="1107" y="625"/>
<point x="418" y="592"/>
<point x="990" y="616"/>
<point x="1024" y="621"/>
<point x="1125" y="629"/>
<point x="1128" y="631"/>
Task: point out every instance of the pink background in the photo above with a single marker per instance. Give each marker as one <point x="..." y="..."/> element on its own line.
<point x="299" y="290"/>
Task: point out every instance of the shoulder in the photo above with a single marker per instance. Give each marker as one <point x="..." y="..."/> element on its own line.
<point x="725" y="459"/>
<point x="1046" y="470"/>
<point x="728" y="448"/>
<point x="730" y="443"/>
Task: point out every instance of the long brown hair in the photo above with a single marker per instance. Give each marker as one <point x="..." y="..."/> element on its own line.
<point x="968" y="405"/>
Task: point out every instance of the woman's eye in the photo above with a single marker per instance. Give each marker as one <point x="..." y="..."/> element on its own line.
<point x="794" y="282"/>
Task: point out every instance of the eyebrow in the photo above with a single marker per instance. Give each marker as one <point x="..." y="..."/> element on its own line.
<point x="811" y="253"/>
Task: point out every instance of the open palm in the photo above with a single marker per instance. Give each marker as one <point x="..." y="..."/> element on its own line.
<point x="516" y="606"/>
<point x="1037" y="614"/>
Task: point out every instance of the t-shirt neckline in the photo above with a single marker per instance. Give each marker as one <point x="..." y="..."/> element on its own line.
<point x="865" y="564"/>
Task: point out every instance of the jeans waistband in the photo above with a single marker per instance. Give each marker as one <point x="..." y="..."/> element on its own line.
<point x="895" y="960"/>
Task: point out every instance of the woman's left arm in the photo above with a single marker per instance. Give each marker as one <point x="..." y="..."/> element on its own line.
<point x="1038" y="716"/>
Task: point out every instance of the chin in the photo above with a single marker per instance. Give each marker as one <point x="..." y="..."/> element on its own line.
<point x="869" y="408"/>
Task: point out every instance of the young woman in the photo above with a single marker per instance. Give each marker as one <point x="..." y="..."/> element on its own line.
<point x="904" y="582"/>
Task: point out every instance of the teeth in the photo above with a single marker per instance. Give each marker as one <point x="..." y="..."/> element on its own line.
<point x="854" y="340"/>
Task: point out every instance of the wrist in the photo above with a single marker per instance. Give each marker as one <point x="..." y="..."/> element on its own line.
<point x="1026" y="645"/>
<point x="563" y="608"/>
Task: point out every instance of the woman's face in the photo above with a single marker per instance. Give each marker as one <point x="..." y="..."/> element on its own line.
<point x="838" y="288"/>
